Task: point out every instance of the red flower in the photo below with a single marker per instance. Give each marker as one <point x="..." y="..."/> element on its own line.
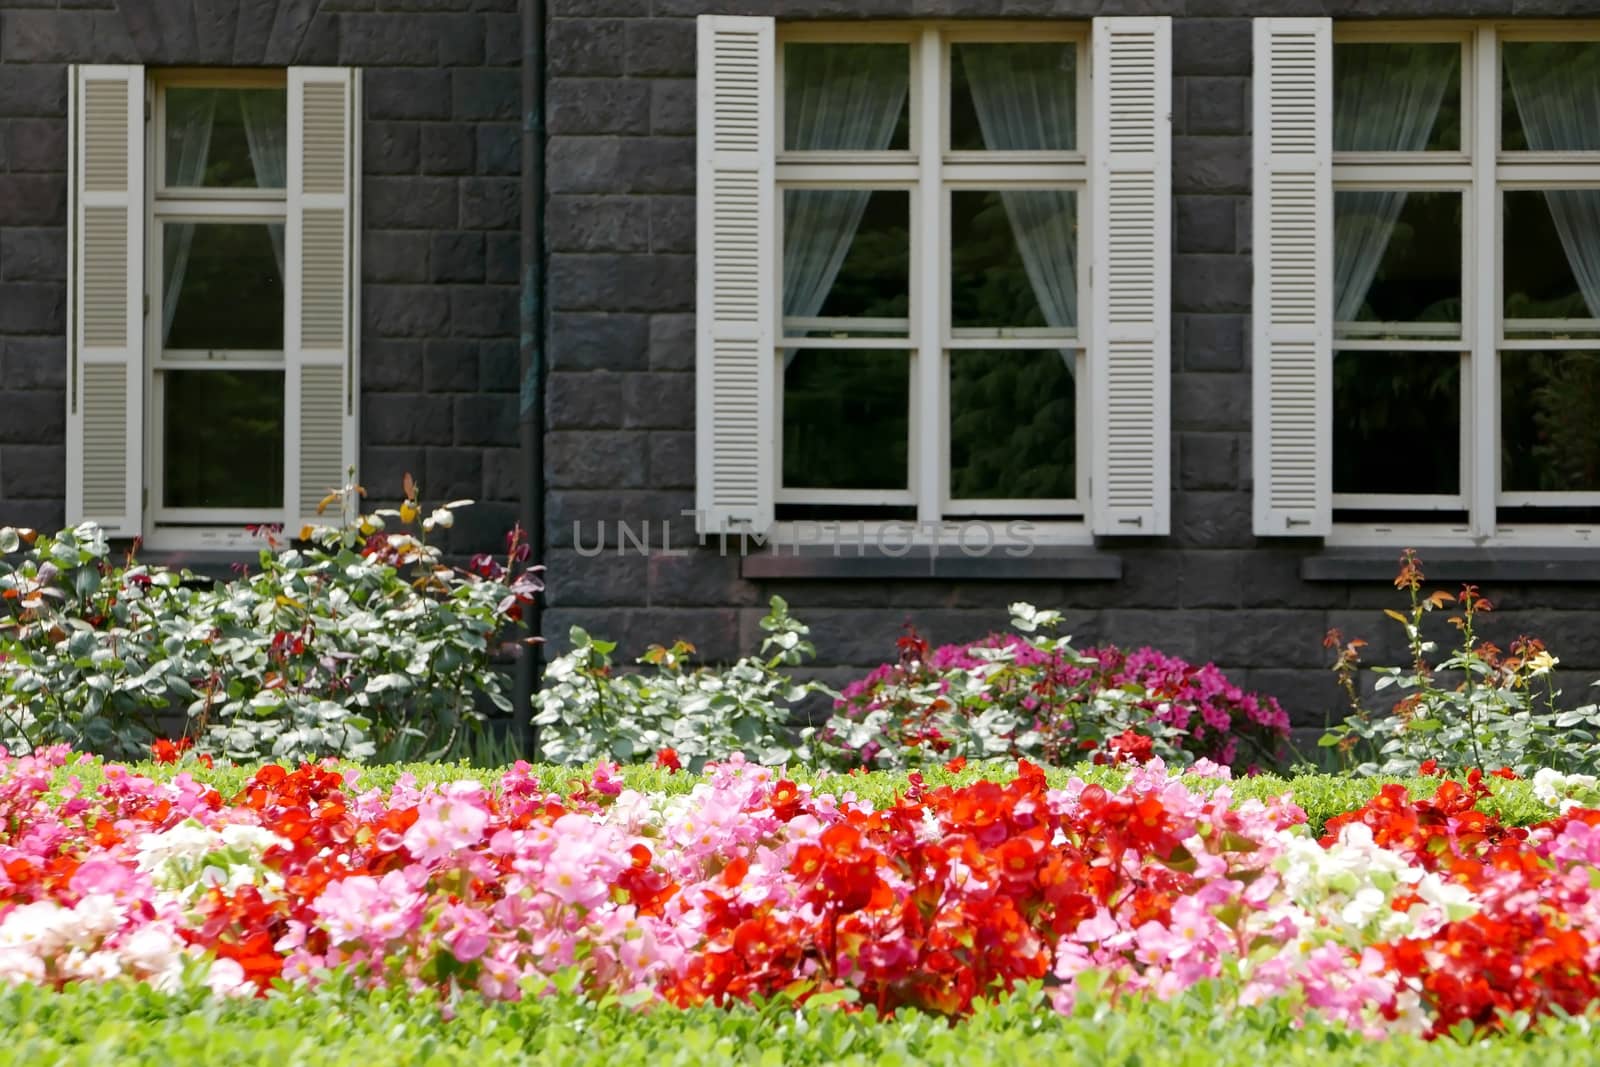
<point x="668" y="758"/>
<point x="168" y="751"/>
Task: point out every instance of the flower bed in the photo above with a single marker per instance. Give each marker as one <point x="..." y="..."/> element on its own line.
<point x="1408" y="915"/>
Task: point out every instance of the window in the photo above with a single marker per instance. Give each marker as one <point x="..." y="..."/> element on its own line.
<point x="1436" y="289"/>
<point x="896" y="313"/>
<point x="213" y="347"/>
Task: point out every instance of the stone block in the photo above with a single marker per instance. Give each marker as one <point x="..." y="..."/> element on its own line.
<point x="33" y="255"/>
<point x="394" y="256"/>
<point x="599" y="340"/>
<point x="490" y="203"/>
<point x="584" y="400"/>
<point x="1212" y="342"/>
<point x="483" y="311"/>
<point x="672" y="224"/>
<point x="499" y="148"/>
<point x="390" y="148"/>
<point x="658" y="401"/>
<point x="1208" y="460"/>
<point x="455" y="256"/>
<point x="598" y="106"/>
<point x="672" y="342"/>
<point x="660" y="47"/>
<point x="453" y="474"/>
<point x="486" y="419"/>
<point x="450" y="366"/>
<point x="410" y="203"/>
<point x="485" y="93"/>
<point x="33" y="472"/>
<point x="590" y="459"/>
<point x="1205" y="223"/>
<point x="405" y="419"/>
<point x="598" y="223"/>
<point x="406" y="310"/>
<point x="448" y="148"/>
<point x="585" y="47"/>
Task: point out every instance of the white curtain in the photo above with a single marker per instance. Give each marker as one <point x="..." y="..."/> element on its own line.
<point x="266" y="131"/>
<point x="1026" y="100"/>
<point x="1385" y="99"/>
<point x="188" y="148"/>
<point x="844" y="97"/>
<point x="1557" y="90"/>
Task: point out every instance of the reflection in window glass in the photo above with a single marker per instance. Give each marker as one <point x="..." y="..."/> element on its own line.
<point x="1013" y="259"/>
<point x="1012" y="425"/>
<point x="846" y="256"/>
<point x="1397" y="97"/>
<point x="1014" y="97"/>
<point x="226" y="138"/>
<point x="846" y="419"/>
<point x="1550" y="421"/>
<point x="846" y="97"/>
<point x="224" y="439"/>
<point x="1397" y="260"/>
<point x="222" y="286"/>
<point x="1544" y="234"/>
<point x="1550" y="96"/>
<point x="1397" y="422"/>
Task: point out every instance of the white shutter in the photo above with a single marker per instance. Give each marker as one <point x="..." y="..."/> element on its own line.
<point x="1130" y="328"/>
<point x="1292" y="332"/>
<point x="105" y="301"/>
<point x="736" y="285"/>
<point x="320" y="335"/>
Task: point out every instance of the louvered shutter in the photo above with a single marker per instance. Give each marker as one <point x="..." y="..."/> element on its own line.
<point x="736" y="293"/>
<point x="1130" y="331"/>
<point x="105" y="319"/>
<point x="320" y="291"/>
<point x="1292" y="334"/>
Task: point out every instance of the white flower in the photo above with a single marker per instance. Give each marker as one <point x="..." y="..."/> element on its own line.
<point x="153" y="951"/>
<point x="1365" y="906"/>
<point x="226" y="978"/>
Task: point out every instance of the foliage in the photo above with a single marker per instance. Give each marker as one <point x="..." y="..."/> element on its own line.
<point x="1030" y="694"/>
<point x="588" y="710"/>
<point x="1501" y="713"/>
<point x="356" y="642"/>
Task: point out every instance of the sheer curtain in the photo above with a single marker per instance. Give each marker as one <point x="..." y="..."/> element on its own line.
<point x="1385" y="99"/>
<point x="1025" y="104"/>
<point x="1556" y="86"/>
<point x="843" y="97"/>
<point x="266" y="131"/>
<point x="188" y="148"/>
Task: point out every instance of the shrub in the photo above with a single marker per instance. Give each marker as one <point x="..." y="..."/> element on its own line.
<point x="357" y="642"/>
<point x="1032" y="695"/>
<point x="1503" y="711"/>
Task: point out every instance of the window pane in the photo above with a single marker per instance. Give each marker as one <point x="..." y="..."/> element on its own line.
<point x="1550" y="96"/>
<point x="846" y="419"/>
<point x="1550" y="421"/>
<point x="1014" y="97"/>
<point x="846" y="97"/>
<point x="226" y="138"/>
<point x="1013" y="426"/>
<point x="846" y="256"/>
<point x="1546" y="234"/>
<point x="1396" y="422"/>
<point x="1397" y="262"/>
<point x="1014" y="260"/>
<point x="222" y="286"/>
<point x="1397" y="97"/>
<point x="223" y="439"/>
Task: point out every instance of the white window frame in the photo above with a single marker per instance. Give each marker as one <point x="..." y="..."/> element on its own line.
<point x="929" y="173"/>
<point x="215" y="527"/>
<point x="1483" y="172"/>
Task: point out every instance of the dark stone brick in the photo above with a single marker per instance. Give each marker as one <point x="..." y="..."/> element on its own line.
<point x="672" y="224"/>
<point x="599" y="341"/>
<point x="483" y="311"/>
<point x="585" y="48"/>
<point x="394" y="256"/>
<point x="460" y="38"/>
<point x="390" y="148"/>
<point x="406" y="310"/>
<point x="34" y="89"/>
<point x="1212" y="342"/>
<point x="596" y="459"/>
<point x="597" y="224"/>
<point x="658" y="401"/>
<point x="450" y="366"/>
<point x="1212" y="46"/>
<point x="503" y="258"/>
<point x="383" y="470"/>
<point x="406" y="94"/>
<point x="672" y="460"/>
<point x="448" y="148"/>
<point x="456" y="257"/>
<point x="33" y="307"/>
<point x="34" y="417"/>
<point x="490" y="203"/>
<point x="499" y="149"/>
<point x="1210" y="402"/>
<point x="1210" y="283"/>
<point x="485" y="94"/>
<point x="1211" y="579"/>
<point x="657" y="47"/>
<point x="36" y="145"/>
<point x="453" y="474"/>
<point x="33" y="514"/>
<point x="672" y="106"/>
<point x="502" y="40"/>
<point x="573" y="516"/>
<point x="1205" y="223"/>
<point x="28" y="363"/>
<point x="33" y="200"/>
<point x="1270" y="638"/>
<point x="48" y="36"/>
<point x="610" y="578"/>
<point x="598" y="105"/>
<point x="33" y="255"/>
<point x="499" y="369"/>
<point x="411" y="203"/>
<point x="1208" y="460"/>
<point x="502" y="473"/>
<point x="672" y="342"/>
<point x="1211" y="164"/>
<point x="33" y="472"/>
<point x="1212" y="519"/>
<point x="1217" y="105"/>
<point x="584" y="401"/>
<point x="621" y="165"/>
<point x="621" y="282"/>
<point x="406" y="419"/>
<point x="387" y="40"/>
<point x="389" y="366"/>
<point x="697" y="578"/>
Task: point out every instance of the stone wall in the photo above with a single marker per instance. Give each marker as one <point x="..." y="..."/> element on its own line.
<point x="441" y="146"/>
<point x="621" y="401"/>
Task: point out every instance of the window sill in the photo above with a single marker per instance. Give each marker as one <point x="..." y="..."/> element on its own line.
<point x="1570" y="565"/>
<point x="921" y="562"/>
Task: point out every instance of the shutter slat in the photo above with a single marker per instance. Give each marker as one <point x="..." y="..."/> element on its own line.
<point x="1292" y="335"/>
<point x="737" y="294"/>
<point x="320" y="292"/>
<point x="105" y="321"/>
<point x="1129" y="340"/>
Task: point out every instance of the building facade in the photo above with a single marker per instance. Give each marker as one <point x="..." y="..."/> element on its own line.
<point x="1178" y="319"/>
